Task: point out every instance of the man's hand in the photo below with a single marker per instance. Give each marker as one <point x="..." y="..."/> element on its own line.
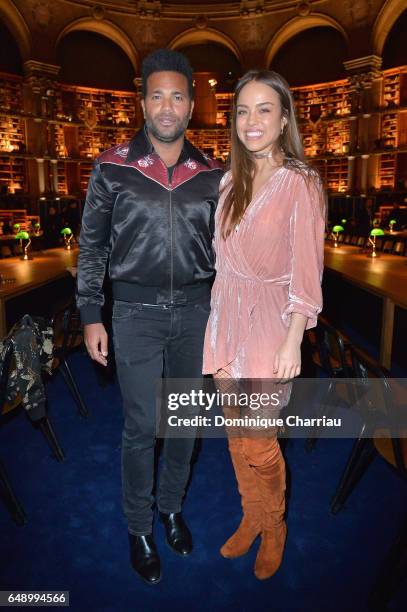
<point x="95" y="337"/>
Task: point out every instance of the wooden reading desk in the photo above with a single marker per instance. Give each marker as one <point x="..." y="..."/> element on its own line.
<point x="46" y="268"/>
<point x="384" y="276"/>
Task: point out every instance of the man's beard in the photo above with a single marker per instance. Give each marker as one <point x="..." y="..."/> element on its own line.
<point x="177" y="131"/>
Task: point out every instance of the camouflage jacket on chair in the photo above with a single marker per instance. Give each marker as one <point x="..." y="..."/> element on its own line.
<point x="32" y="351"/>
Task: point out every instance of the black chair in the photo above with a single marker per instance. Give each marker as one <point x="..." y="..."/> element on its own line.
<point x="354" y="240"/>
<point x="387" y="246"/>
<point x="68" y="335"/>
<point x="366" y="446"/>
<point x="379" y="244"/>
<point x="347" y="239"/>
<point x="17" y="249"/>
<point x="399" y="247"/>
<point x="42" y="422"/>
<point x="391" y="573"/>
<point x="5" y="251"/>
<point x="331" y="356"/>
<point x="394" y="450"/>
<point x="331" y="351"/>
<point x="10" y="498"/>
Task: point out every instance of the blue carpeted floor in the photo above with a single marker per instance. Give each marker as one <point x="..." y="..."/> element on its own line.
<point x="76" y="537"/>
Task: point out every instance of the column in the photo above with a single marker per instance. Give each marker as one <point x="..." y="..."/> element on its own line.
<point x="39" y="105"/>
<point x="41" y="175"/>
<point x="139" y="115"/>
<point x="205" y="100"/>
<point x="351" y="173"/>
<point x="365" y="80"/>
<point x="363" y="181"/>
<point x="353" y="136"/>
<point x="54" y="173"/>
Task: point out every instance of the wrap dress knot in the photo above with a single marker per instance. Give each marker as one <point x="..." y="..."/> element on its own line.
<point x="266" y="269"/>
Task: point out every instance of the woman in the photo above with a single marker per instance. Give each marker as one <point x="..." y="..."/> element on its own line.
<point x="269" y="249"/>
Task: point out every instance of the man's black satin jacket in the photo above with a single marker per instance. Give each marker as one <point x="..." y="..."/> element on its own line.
<point x="155" y="229"/>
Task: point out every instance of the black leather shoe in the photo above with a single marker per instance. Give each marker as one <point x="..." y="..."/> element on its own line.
<point x="178" y="535"/>
<point x="144" y="558"/>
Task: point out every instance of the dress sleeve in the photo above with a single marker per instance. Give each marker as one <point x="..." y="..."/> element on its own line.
<point x="306" y="251"/>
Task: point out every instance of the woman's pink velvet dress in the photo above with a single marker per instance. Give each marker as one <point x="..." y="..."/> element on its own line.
<point x="268" y="268"/>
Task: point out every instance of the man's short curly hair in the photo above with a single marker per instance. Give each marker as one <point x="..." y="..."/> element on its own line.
<point x="166" y="60"/>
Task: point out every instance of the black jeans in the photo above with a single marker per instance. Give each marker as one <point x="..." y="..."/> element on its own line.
<point x="150" y="341"/>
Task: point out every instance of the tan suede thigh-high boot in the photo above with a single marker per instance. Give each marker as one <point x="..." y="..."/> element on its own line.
<point x="267" y="462"/>
<point x="251" y="524"/>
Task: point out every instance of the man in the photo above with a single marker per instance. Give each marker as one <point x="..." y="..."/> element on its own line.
<point x="150" y="208"/>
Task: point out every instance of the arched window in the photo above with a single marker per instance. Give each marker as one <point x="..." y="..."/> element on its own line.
<point x="10" y="57"/>
<point x="395" y="48"/>
<point x="90" y="59"/>
<point x="315" y="55"/>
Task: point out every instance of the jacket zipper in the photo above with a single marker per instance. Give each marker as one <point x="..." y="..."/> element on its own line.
<point x="171" y="242"/>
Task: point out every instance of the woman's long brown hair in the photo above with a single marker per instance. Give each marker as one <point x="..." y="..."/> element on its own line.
<point x="242" y="163"/>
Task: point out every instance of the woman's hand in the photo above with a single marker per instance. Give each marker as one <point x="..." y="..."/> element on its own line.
<point x="287" y="362"/>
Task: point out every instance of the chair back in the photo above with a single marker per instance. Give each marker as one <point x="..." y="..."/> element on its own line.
<point x="5" y="251"/>
<point x="332" y="352"/>
<point x="399" y="247"/>
<point x="387" y="246"/>
<point x="68" y="332"/>
<point x="393" y="449"/>
<point x="5" y="366"/>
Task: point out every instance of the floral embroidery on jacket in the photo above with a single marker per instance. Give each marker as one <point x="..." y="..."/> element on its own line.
<point x="146" y="161"/>
<point x="31" y="340"/>
<point x="189" y="163"/>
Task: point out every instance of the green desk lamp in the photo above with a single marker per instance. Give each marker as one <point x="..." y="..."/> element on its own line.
<point x="377" y="231"/>
<point x="68" y="236"/>
<point x="24" y="236"/>
<point x="336" y="230"/>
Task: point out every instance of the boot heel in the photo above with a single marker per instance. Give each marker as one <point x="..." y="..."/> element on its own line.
<point x="271" y="551"/>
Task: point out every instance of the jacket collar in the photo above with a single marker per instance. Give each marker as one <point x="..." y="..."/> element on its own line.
<point x="140" y="146"/>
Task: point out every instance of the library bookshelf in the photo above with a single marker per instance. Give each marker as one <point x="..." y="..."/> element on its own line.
<point x="85" y="121"/>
